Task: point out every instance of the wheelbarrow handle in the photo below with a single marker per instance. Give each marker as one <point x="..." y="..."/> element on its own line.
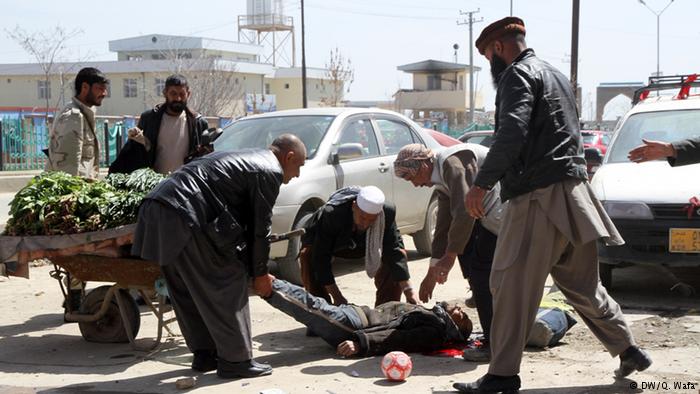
<point x="285" y="236"/>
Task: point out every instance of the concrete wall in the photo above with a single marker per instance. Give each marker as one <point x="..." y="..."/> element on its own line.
<point x="288" y="92"/>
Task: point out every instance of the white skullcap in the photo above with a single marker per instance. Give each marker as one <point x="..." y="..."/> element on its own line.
<point x="370" y="200"/>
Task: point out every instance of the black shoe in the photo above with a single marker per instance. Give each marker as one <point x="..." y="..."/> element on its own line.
<point x="204" y="360"/>
<point x="632" y="359"/>
<point x="491" y="384"/>
<point x="242" y="369"/>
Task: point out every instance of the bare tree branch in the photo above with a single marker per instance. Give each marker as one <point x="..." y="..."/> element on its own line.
<point x="340" y="75"/>
<point x="48" y="48"/>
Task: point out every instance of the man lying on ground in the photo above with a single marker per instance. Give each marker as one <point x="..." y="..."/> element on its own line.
<point x="363" y="331"/>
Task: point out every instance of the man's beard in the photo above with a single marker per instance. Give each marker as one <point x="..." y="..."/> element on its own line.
<point x="92" y="100"/>
<point x="498" y="65"/>
<point x="176" y="106"/>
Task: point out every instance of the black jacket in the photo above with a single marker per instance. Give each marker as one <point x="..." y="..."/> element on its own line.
<point x="537" y="141"/>
<point x="687" y="152"/>
<point x="406" y="327"/>
<point x="134" y="155"/>
<point x="329" y="232"/>
<point x="229" y="197"/>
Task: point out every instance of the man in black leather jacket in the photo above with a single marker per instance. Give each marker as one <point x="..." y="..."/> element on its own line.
<point x="158" y="141"/>
<point x="553" y="221"/>
<point x="207" y="226"/>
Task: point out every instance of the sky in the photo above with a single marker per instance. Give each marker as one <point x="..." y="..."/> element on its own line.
<point x="617" y="40"/>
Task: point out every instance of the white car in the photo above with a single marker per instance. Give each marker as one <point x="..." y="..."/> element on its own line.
<point x="346" y="146"/>
<point x="648" y="202"/>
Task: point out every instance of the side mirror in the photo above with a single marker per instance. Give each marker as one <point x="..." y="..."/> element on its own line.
<point x="210" y="135"/>
<point x="347" y="152"/>
<point x="594" y="156"/>
<point x="594" y="159"/>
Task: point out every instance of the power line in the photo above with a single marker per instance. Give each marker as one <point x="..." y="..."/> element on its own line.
<point x="376" y="14"/>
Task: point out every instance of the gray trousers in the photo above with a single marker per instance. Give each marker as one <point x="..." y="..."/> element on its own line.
<point x="209" y="293"/>
<point x="529" y="248"/>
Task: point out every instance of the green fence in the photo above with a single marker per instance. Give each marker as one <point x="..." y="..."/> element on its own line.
<point x="23" y="141"/>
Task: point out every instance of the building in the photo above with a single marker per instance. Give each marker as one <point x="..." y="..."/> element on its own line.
<point x="227" y="78"/>
<point x="439" y="88"/>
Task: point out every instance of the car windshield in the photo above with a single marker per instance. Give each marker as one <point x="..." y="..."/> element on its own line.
<point x="588" y="138"/>
<point x="663" y="126"/>
<point x="260" y="132"/>
<point x="484" y="139"/>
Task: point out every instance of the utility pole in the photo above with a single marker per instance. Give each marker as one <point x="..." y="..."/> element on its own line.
<point x="304" y="101"/>
<point x="470" y="21"/>
<point x="511" y="7"/>
<point x="574" y="47"/>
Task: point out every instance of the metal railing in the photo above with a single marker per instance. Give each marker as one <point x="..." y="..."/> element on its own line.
<point x="24" y="140"/>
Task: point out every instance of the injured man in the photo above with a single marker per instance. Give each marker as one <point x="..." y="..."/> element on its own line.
<point x="363" y="331"/>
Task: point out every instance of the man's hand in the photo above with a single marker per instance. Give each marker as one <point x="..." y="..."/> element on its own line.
<point x="348" y="348"/>
<point x="336" y="295"/>
<point x="443" y="267"/>
<point x="136" y="134"/>
<point x="262" y="285"/>
<point x="651" y="150"/>
<point x="428" y="285"/>
<point x="474" y="202"/>
<point x="411" y="296"/>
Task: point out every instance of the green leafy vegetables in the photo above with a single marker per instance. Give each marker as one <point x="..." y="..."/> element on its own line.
<point x="57" y="203"/>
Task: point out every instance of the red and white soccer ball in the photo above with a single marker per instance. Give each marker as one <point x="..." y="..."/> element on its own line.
<point x="397" y="366"/>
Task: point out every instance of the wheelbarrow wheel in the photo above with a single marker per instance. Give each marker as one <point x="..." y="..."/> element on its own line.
<point x="109" y="328"/>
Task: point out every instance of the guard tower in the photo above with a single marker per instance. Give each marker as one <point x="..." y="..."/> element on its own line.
<point x="265" y="24"/>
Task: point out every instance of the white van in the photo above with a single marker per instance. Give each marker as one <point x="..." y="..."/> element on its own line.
<point x="649" y="202"/>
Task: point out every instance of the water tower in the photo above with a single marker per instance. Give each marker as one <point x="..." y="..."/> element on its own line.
<point x="265" y="24"/>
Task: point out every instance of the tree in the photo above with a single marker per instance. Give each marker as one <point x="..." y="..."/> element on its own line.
<point x="215" y="88"/>
<point x="339" y="76"/>
<point x="48" y="48"/>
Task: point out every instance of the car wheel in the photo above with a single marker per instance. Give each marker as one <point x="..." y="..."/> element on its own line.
<point x="288" y="267"/>
<point x="606" y="274"/>
<point x="424" y="238"/>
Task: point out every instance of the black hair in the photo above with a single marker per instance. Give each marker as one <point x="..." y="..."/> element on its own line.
<point x="516" y="37"/>
<point x="176" y="80"/>
<point x="89" y="75"/>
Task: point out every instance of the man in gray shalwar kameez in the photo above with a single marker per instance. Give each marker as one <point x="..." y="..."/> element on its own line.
<point x="553" y="220"/>
<point x="207" y="225"/>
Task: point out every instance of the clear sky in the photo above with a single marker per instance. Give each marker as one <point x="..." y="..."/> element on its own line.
<point x="617" y="37"/>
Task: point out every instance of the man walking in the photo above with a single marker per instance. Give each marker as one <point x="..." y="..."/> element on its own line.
<point x="452" y="172"/>
<point x="207" y="225"/>
<point x="553" y="220"/>
<point x="167" y="136"/>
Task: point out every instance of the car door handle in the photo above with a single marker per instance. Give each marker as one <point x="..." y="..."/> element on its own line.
<point x="383" y="168"/>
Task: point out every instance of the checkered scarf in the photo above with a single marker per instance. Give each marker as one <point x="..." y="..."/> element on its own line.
<point x="409" y="160"/>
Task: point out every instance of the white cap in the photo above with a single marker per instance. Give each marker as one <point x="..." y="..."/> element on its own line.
<point x="370" y="200"/>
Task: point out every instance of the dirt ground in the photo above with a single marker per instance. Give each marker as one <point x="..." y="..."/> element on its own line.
<point x="39" y="353"/>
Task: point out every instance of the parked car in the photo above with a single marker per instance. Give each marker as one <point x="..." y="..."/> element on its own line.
<point x="649" y="202"/>
<point x="482" y="137"/>
<point x="346" y="146"/>
<point x="442" y="138"/>
<point x="596" y="139"/>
